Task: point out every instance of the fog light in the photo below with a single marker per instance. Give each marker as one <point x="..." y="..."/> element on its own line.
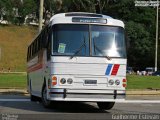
<point x="69" y="81"/>
<point x="63" y="81"/>
<point x="117" y="82"/>
<point x="111" y="82"/>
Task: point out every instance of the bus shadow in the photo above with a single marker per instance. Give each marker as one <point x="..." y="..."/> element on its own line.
<point x="76" y="107"/>
<point x="57" y="107"/>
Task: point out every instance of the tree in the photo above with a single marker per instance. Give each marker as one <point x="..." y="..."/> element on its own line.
<point x="140" y="29"/>
<point x="24" y="7"/>
<point x="140" y="45"/>
<point x="139" y="21"/>
<point x="15" y="11"/>
<point x="86" y="6"/>
<point x="6" y="9"/>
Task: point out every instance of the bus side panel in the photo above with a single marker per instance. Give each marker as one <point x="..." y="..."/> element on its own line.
<point x="35" y="74"/>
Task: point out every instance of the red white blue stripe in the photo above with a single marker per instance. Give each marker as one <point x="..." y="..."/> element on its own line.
<point x="112" y="69"/>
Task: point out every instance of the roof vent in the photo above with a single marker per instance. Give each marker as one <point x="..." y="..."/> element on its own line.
<point x="83" y="15"/>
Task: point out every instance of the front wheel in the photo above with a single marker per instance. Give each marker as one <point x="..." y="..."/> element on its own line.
<point x="105" y="105"/>
<point x="33" y="98"/>
<point x="46" y="103"/>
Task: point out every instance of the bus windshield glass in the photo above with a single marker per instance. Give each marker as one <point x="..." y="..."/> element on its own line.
<point x="79" y="40"/>
<point x="69" y="38"/>
<point x="108" y="41"/>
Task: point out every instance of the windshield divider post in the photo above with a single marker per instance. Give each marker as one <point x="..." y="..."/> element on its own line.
<point x="90" y="41"/>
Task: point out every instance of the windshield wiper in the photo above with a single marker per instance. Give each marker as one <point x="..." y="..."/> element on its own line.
<point x="99" y="50"/>
<point x="79" y="49"/>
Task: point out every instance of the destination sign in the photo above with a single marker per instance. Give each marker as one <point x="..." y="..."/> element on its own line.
<point x="89" y="20"/>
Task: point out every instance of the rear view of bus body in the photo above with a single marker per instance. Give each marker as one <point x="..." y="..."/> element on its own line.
<point x="78" y="57"/>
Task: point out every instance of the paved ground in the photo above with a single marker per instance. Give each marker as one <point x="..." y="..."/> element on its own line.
<point x="20" y="106"/>
<point x="128" y="92"/>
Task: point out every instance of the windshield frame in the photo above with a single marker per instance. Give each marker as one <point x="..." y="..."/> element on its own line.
<point x="90" y="42"/>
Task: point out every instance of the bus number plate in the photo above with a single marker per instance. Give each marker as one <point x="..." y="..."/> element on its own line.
<point x="90" y="82"/>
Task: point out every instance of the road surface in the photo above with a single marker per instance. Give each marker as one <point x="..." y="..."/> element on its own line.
<point x="19" y="107"/>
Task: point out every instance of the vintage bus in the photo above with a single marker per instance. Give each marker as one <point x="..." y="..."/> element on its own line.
<point x="78" y="57"/>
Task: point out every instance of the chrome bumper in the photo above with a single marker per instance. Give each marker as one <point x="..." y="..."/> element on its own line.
<point x="86" y="95"/>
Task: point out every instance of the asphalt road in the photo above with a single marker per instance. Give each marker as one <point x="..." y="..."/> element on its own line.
<point x="18" y="107"/>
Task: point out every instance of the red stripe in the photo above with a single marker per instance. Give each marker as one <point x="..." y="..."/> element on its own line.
<point x="115" y="69"/>
<point x="34" y="68"/>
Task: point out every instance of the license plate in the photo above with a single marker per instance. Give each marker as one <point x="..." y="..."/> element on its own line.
<point x="90" y="82"/>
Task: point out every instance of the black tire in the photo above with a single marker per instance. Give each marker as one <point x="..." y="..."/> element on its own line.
<point x="33" y="98"/>
<point x="105" y="105"/>
<point x="46" y="103"/>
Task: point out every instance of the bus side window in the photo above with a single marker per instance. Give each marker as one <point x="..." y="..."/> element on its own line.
<point x="28" y="54"/>
<point x="32" y="50"/>
<point x="40" y="43"/>
<point x="49" y="45"/>
<point x="44" y="38"/>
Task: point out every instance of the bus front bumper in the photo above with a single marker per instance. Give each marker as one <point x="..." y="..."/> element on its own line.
<point x="86" y="95"/>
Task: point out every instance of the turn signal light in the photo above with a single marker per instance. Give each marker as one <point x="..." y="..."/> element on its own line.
<point x="124" y="83"/>
<point x="54" y="80"/>
<point x="124" y="80"/>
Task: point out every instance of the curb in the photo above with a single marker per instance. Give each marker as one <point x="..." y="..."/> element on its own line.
<point x="128" y="92"/>
<point x="14" y="91"/>
<point x="143" y="92"/>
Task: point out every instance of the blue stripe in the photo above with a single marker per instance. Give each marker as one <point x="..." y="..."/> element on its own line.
<point x="108" y="70"/>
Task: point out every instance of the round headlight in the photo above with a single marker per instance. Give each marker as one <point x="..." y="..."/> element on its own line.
<point x="63" y="81"/>
<point x="111" y="82"/>
<point x="69" y="81"/>
<point x="117" y="82"/>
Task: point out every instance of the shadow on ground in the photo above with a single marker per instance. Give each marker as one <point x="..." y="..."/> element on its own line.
<point x="57" y="107"/>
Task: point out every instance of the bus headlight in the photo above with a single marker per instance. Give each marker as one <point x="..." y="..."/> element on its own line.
<point x="69" y="81"/>
<point x="117" y="82"/>
<point x="63" y="81"/>
<point x="111" y="82"/>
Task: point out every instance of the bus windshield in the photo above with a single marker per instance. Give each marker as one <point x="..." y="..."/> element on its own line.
<point x="108" y="41"/>
<point x="88" y="40"/>
<point x="67" y="39"/>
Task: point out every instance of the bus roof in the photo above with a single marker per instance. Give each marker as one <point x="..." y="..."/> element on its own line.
<point x="88" y="18"/>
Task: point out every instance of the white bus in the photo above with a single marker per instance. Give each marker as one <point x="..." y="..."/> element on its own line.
<point x="78" y="57"/>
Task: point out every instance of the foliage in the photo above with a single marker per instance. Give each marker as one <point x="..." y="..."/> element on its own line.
<point x="140" y="22"/>
<point x="140" y="30"/>
<point x="16" y="10"/>
<point x="6" y="9"/>
<point x="139" y="48"/>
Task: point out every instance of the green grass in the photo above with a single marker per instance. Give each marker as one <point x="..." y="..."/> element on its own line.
<point x="13" y="80"/>
<point x="14" y="41"/>
<point x="133" y="81"/>
<point x="143" y="82"/>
